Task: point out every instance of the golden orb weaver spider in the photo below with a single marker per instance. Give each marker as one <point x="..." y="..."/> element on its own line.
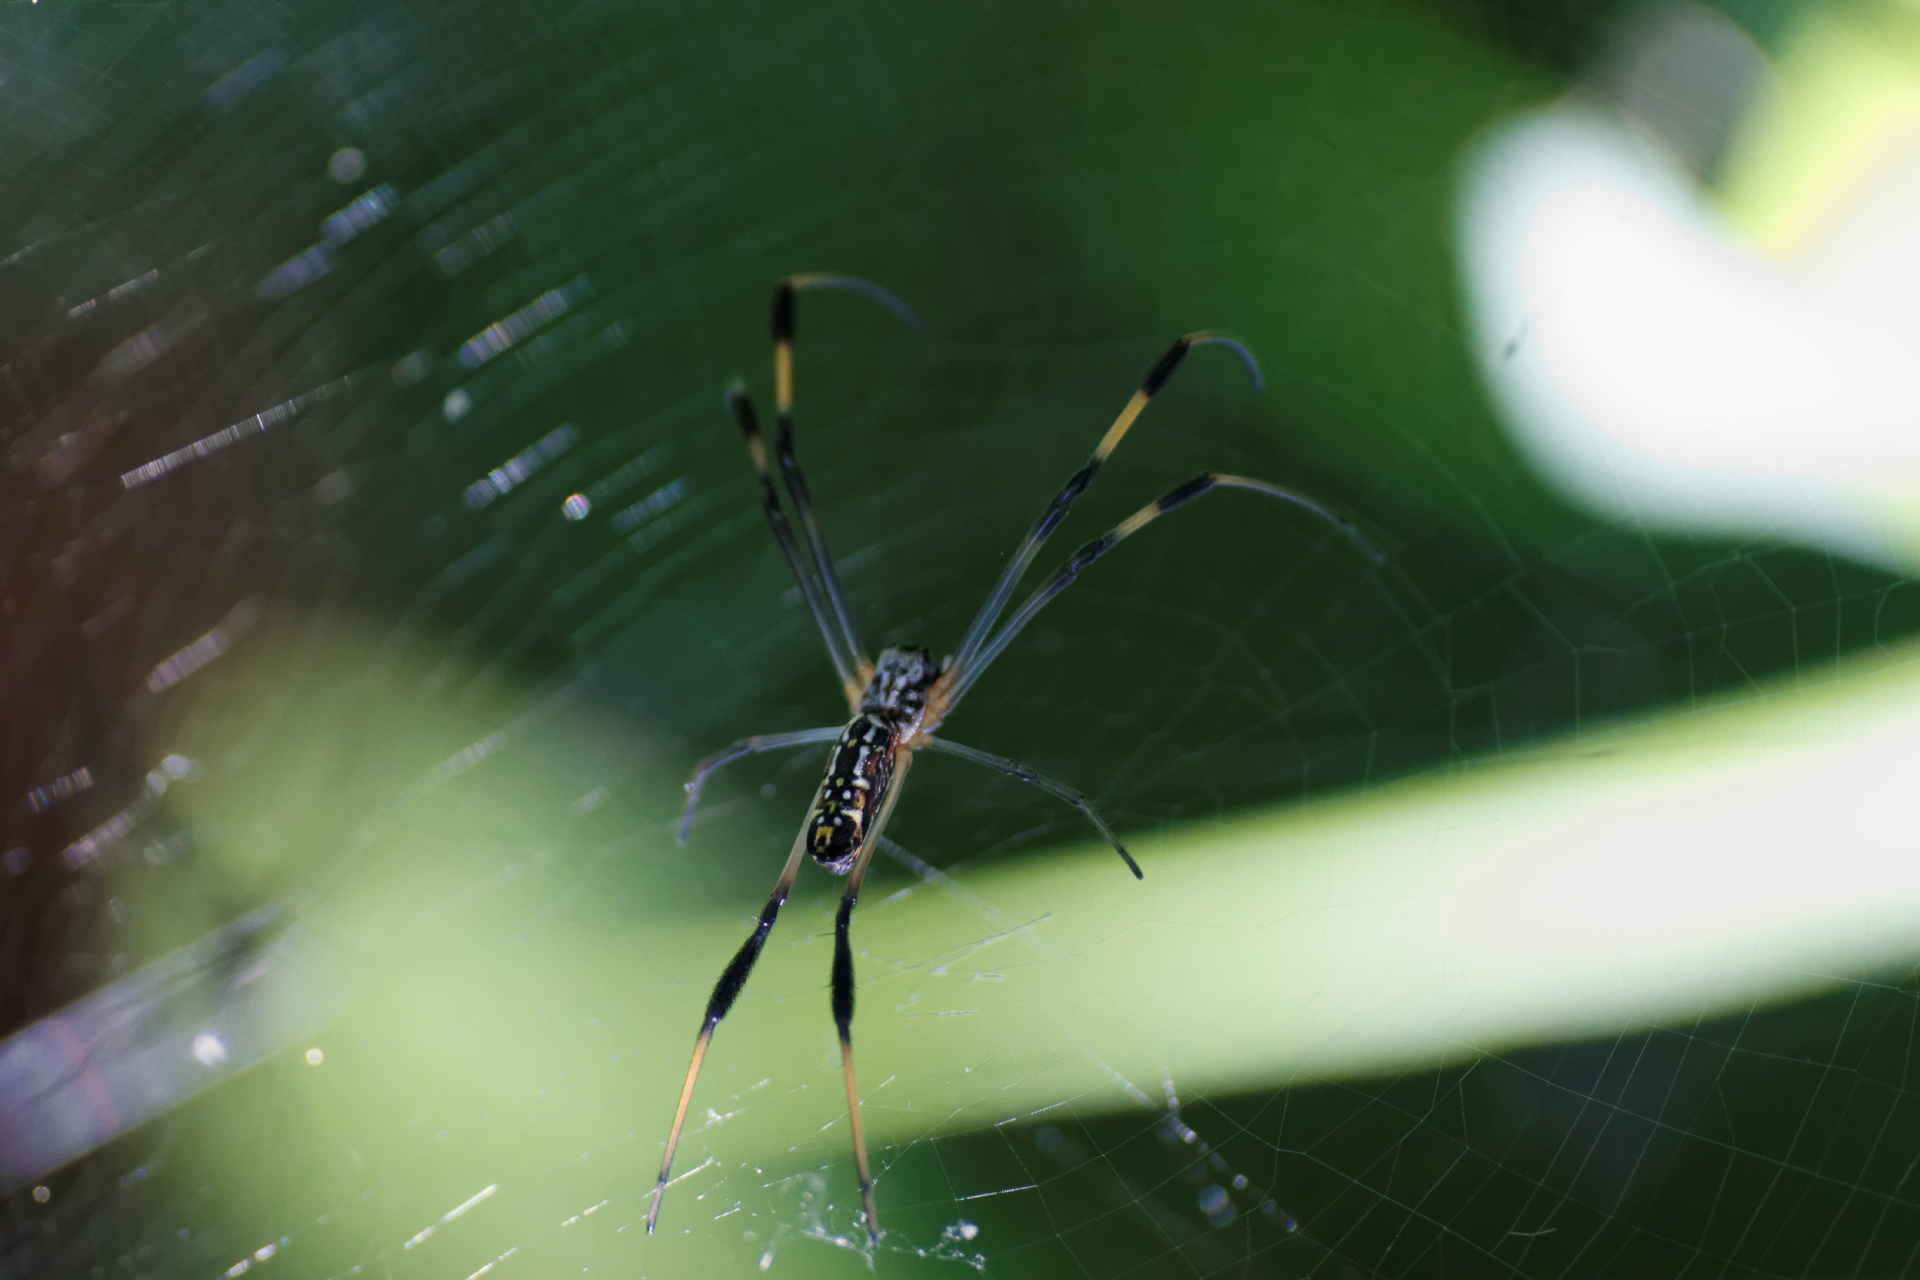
<point x="898" y="701"/>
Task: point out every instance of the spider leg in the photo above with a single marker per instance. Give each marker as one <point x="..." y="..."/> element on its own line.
<point x="725" y="991"/>
<point x="843" y="986"/>
<point x="1086" y="555"/>
<point x="796" y="482"/>
<point x="1056" y="510"/>
<point x="746" y="746"/>
<point x="1014" y="769"/>
<point x="742" y="409"/>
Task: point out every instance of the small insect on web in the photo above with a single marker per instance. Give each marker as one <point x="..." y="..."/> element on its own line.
<point x="899" y="700"/>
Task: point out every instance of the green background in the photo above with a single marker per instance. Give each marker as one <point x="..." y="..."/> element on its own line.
<point x="1058" y="190"/>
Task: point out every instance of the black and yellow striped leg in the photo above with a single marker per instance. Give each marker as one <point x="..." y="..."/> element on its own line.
<point x="844" y="663"/>
<point x="843" y="988"/>
<point x="1056" y="510"/>
<point x="1014" y="769"/>
<point x="747" y="746"/>
<point x="1086" y="555"/>
<point x="790" y="473"/>
<point x="725" y="992"/>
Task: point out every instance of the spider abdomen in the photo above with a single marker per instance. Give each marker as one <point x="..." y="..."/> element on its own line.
<point x="858" y="776"/>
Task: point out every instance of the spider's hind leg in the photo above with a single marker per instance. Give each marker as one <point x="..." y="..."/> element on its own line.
<point x="725" y="992"/>
<point x="843" y="988"/>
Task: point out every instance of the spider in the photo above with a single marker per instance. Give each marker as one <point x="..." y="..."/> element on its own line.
<point x="899" y="700"/>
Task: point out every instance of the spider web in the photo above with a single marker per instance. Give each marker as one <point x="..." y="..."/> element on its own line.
<point x="379" y="560"/>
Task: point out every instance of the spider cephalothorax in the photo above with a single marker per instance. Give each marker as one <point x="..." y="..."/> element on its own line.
<point x="900" y="682"/>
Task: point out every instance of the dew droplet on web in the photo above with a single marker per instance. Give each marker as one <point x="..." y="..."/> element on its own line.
<point x="346" y="165"/>
<point x="1216" y="1204"/>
